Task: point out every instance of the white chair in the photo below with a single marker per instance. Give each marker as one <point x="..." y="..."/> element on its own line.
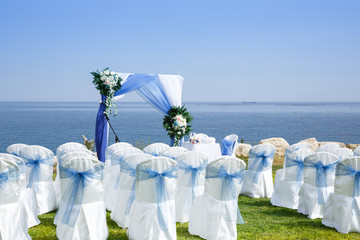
<point x="15" y="148"/>
<point x="342" y="209"/>
<point x="286" y="191"/>
<point x="13" y="217"/>
<point x="173" y="152"/>
<point x="152" y="214"/>
<point x="215" y="214"/>
<point x="258" y="180"/>
<point x="126" y="191"/>
<point x="228" y="145"/>
<point x="329" y="147"/>
<point x="39" y="162"/>
<point x="27" y="197"/>
<point x="81" y="213"/>
<point x="190" y="184"/>
<point x="343" y="153"/>
<point x="112" y="183"/>
<point x="357" y="151"/>
<point x="155" y="148"/>
<point x="319" y="176"/>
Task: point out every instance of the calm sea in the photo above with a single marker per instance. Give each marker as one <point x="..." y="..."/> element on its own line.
<point x="51" y="124"/>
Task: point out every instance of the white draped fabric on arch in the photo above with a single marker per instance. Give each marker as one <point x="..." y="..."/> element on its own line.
<point x="160" y="91"/>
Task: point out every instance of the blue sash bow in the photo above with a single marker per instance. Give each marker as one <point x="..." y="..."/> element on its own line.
<point x="299" y="162"/>
<point x="264" y="161"/>
<point x="11" y="175"/>
<point x="194" y="181"/>
<point x="34" y="164"/>
<point x="321" y="180"/>
<point x="72" y="198"/>
<point x="228" y="190"/>
<point x="129" y="169"/>
<point x="161" y="192"/>
<point x="3" y="179"/>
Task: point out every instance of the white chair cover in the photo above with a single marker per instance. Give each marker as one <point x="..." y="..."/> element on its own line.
<point x="357" y="151"/>
<point x="190" y="184"/>
<point x="152" y="214"/>
<point x="329" y="147"/>
<point x="319" y="176"/>
<point x="69" y="147"/>
<point x="343" y="153"/>
<point x="293" y="148"/>
<point x="155" y="148"/>
<point x="126" y="190"/>
<point x="342" y="209"/>
<point x="39" y="162"/>
<point x="258" y="180"/>
<point x="81" y="213"/>
<point x="286" y="191"/>
<point x="27" y="197"/>
<point x="15" y="148"/>
<point x="112" y="183"/>
<point x="228" y="145"/>
<point x="173" y="152"/>
<point x="13" y="218"/>
<point x="216" y="213"/>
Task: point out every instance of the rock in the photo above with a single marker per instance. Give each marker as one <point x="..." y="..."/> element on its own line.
<point x="280" y="144"/>
<point x="352" y="146"/>
<point x="242" y="150"/>
<point x="314" y="144"/>
<point x="342" y="145"/>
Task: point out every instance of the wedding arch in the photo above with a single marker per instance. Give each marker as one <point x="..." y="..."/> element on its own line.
<point x="161" y="91"/>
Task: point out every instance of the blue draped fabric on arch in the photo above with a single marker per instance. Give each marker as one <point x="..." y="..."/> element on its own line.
<point x="160" y="91"/>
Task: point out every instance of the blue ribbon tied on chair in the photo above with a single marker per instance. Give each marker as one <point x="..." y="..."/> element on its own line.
<point x="263" y="161"/>
<point x="321" y="180"/>
<point x="228" y="190"/>
<point x="4" y="177"/>
<point x="34" y="164"/>
<point x="299" y="162"/>
<point x="161" y="192"/>
<point x="227" y="147"/>
<point x="129" y="169"/>
<point x="72" y="198"/>
<point x="194" y="181"/>
<point x="117" y="161"/>
<point x="343" y="170"/>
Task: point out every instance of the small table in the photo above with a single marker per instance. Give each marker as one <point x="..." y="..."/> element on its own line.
<point x="210" y="149"/>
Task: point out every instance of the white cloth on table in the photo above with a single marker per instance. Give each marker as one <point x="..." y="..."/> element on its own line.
<point x="27" y="197"/>
<point x="190" y="184"/>
<point x="13" y="217"/>
<point x="15" y="148"/>
<point x="39" y="163"/>
<point x="343" y="153"/>
<point x="152" y="214"/>
<point x="342" y="209"/>
<point x="215" y="213"/>
<point x="81" y="213"/>
<point x="286" y="191"/>
<point x="212" y="150"/>
<point x="258" y="181"/>
<point x="113" y="172"/>
<point x="126" y="188"/>
<point x="155" y="148"/>
<point x="329" y="147"/>
<point x="173" y="152"/>
<point x="319" y="176"/>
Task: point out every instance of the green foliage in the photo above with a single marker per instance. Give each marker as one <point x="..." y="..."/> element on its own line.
<point x="169" y="123"/>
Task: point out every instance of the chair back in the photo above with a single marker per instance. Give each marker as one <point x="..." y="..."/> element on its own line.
<point x="15" y="148"/>
<point x="217" y="181"/>
<point x="357" y="151"/>
<point x="261" y="158"/>
<point x="343" y="153"/>
<point x="329" y="147"/>
<point x="115" y="147"/>
<point x="295" y="165"/>
<point x="173" y="152"/>
<point x="295" y="147"/>
<point x="155" y="148"/>
<point x="117" y="156"/>
<point x="20" y="163"/>
<point x="347" y="180"/>
<point x="9" y="181"/>
<point x="228" y="145"/>
<point x="69" y="147"/>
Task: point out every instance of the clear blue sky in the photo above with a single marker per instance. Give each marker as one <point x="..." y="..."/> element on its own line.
<point x="258" y="50"/>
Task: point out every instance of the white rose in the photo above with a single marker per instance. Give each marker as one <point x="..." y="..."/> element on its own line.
<point x="102" y="78"/>
<point x="101" y="73"/>
<point x="107" y="72"/>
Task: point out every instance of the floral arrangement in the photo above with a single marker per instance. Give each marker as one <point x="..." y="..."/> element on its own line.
<point x="107" y="82"/>
<point x="194" y="139"/>
<point x="177" y="123"/>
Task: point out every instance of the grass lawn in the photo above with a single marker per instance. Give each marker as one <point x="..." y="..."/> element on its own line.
<point x="262" y="221"/>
